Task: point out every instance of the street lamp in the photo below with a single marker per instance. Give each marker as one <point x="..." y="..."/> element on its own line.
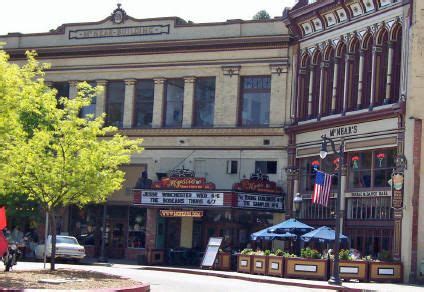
<point x="335" y="278"/>
<point x="297" y="201"/>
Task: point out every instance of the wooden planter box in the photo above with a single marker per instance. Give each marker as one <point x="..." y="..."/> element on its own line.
<point x="244" y="263"/>
<point x="259" y="264"/>
<point x="385" y="272"/>
<point x="223" y="261"/>
<point x="306" y="268"/>
<point x="155" y="257"/>
<point x="352" y="270"/>
<point x="275" y="266"/>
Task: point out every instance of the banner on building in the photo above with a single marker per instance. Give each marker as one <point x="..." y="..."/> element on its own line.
<point x="397" y="190"/>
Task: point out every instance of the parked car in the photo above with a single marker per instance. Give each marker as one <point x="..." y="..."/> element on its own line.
<point x="67" y="247"/>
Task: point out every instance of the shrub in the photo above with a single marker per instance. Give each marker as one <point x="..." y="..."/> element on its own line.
<point x="344" y="254"/>
<point x="385" y="255"/>
<point x="247" y="251"/>
<point x="279" y="252"/>
<point x="267" y="252"/>
<point x="309" y="253"/>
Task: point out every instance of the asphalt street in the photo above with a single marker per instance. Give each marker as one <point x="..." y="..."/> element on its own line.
<point x="176" y="282"/>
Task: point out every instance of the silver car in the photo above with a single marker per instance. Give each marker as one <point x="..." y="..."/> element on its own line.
<point x="67" y="247"/>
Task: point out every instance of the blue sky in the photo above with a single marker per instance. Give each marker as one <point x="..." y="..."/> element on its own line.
<point x="42" y="15"/>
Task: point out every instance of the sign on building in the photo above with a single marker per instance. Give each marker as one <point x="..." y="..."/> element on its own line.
<point x="205" y="199"/>
<point x="258" y="201"/>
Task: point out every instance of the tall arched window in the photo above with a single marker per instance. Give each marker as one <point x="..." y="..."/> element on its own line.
<point x="341" y="55"/>
<point x="353" y="79"/>
<point x="328" y="77"/>
<point x="396" y="67"/>
<point x="303" y="87"/>
<point x="367" y="44"/>
<point x="316" y="68"/>
<point x="381" y="61"/>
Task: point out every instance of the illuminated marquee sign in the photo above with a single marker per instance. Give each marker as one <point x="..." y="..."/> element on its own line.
<point x="258" y="201"/>
<point x="119" y="32"/>
<point x="196" y="199"/>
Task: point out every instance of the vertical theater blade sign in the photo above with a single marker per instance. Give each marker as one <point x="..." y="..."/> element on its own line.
<point x="397" y="190"/>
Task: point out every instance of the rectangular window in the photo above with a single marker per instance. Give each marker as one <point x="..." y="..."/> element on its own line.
<point x="91" y="109"/>
<point x="204" y="102"/>
<point x="266" y="167"/>
<point x="309" y="167"/>
<point x="137" y="228"/>
<point x="232" y="166"/>
<point x="62" y="91"/>
<point x="375" y="208"/>
<point x="115" y="103"/>
<point x="174" y="101"/>
<point x="255" y="101"/>
<point x="371" y="169"/>
<point x="144" y="96"/>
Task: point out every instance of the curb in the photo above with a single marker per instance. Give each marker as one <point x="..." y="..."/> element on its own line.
<point x="138" y="288"/>
<point x="257" y="280"/>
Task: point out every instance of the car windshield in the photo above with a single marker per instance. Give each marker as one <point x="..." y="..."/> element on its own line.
<point x="68" y="240"/>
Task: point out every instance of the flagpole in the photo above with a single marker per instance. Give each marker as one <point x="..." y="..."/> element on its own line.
<point x="335" y="277"/>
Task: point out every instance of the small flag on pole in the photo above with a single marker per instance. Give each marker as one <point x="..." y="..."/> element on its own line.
<point x="322" y="188"/>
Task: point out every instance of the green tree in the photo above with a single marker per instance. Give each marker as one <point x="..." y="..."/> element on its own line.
<point x="261" y="15"/>
<point x="54" y="156"/>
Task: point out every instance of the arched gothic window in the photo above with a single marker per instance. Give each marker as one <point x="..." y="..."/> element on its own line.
<point x="341" y="56"/>
<point x="303" y="87"/>
<point x="328" y="78"/>
<point x="316" y="71"/>
<point x="381" y="63"/>
<point x="396" y="67"/>
<point x="353" y="79"/>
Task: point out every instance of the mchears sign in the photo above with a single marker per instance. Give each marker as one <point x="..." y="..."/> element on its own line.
<point x="175" y="198"/>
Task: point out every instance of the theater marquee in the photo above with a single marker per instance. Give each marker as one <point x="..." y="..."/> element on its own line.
<point x="175" y="198"/>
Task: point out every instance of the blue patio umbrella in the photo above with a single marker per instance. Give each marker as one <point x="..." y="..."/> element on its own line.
<point x="265" y="234"/>
<point x="292" y="226"/>
<point x="322" y="234"/>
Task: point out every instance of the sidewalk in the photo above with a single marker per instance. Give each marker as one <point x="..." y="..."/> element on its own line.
<point x="347" y="286"/>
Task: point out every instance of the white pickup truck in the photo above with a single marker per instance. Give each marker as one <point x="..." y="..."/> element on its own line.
<point x="67" y="247"/>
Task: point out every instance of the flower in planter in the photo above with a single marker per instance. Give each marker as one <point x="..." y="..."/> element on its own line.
<point x="309" y="253"/>
<point x="247" y="251"/>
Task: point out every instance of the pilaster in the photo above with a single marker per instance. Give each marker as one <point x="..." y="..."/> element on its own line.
<point x="158" y="102"/>
<point x="73" y="90"/>
<point x="278" y="94"/>
<point x="101" y="97"/>
<point x="129" y="103"/>
<point x="189" y="84"/>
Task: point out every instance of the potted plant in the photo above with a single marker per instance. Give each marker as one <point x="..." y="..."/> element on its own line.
<point x="310" y="265"/>
<point x="349" y="268"/>
<point x="385" y="269"/>
<point x="260" y="262"/>
<point x="244" y="261"/>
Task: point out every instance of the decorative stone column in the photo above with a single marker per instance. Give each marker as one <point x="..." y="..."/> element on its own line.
<point x="311" y="85"/>
<point x="321" y="88"/>
<point x="335" y="81"/>
<point x="277" y="101"/>
<point x="158" y="102"/>
<point x="101" y="98"/>
<point x="129" y="103"/>
<point x="360" y="79"/>
<point x="73" y="91"/>
<point x="346" y="82"/>
<point x="226" y="113"/>
<point x="188" y="108"/>
<point x="375" y="50"/>
<point x="389" y="73"/>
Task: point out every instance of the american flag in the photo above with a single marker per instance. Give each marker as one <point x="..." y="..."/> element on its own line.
<point x="322" y="188"/>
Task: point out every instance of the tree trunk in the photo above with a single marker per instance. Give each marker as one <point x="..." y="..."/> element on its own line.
<point x="53" y="231"/>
